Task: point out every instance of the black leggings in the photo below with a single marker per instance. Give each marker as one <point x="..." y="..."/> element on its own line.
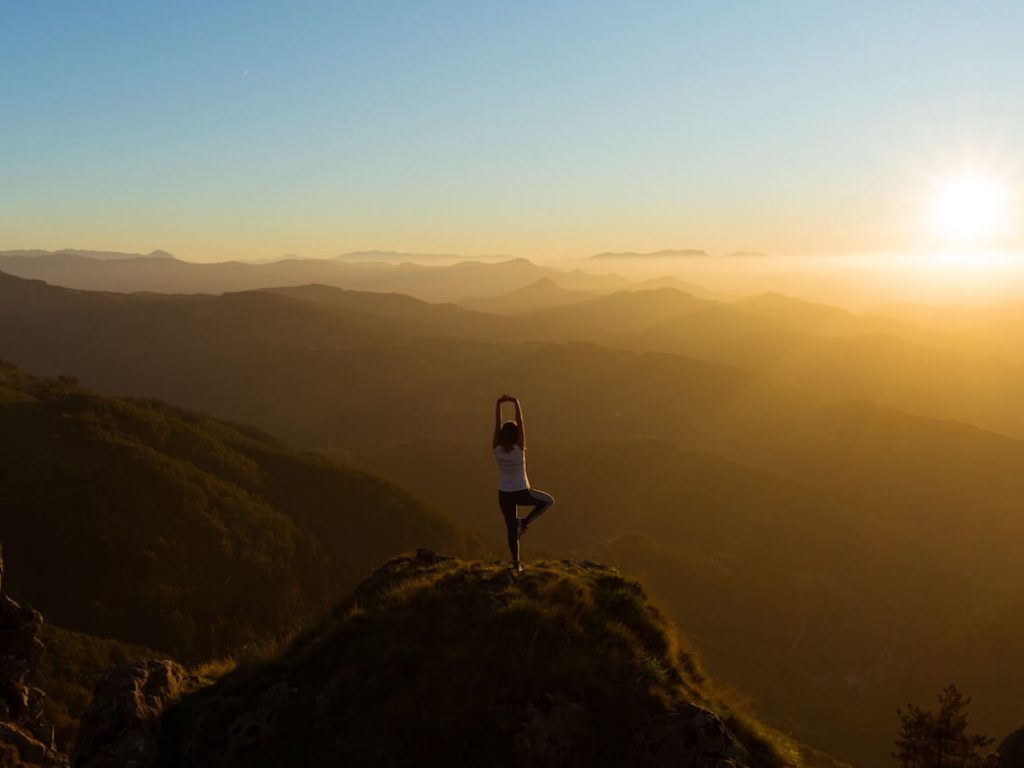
<point x="528" y="497"/>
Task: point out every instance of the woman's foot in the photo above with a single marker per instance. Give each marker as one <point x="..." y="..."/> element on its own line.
<point x="520" y="527"/>
<point x="517" y="567"/>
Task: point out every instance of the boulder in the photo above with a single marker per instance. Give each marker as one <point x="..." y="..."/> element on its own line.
<point x="692" y="737"/>
<point x="121" y="726"/>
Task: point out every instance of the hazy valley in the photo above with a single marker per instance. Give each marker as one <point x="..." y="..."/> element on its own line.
<point x="826" y="502"/>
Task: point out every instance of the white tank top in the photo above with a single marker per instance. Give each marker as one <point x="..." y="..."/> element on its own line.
<point x="511" y="469"/>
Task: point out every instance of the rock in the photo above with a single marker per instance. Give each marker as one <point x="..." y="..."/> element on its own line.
<point x="121" y="726"/>
<point x="20" y="652"/>
<point x="1011" y="751"/>
<point x="693" y="737"/>
<point x="23" y="731"/>
<point x="429" y="556"/>
<point x="28" y="749"/>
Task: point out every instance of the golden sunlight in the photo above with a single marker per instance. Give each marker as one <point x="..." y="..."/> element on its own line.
<point x="969" y="209"/>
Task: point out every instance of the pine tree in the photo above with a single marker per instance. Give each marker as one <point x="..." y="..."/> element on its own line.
<point x="929" y="740"/>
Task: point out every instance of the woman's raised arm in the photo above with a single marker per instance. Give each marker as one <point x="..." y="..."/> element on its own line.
<point x="521" y="423"/>
<point x="497" y="422"/>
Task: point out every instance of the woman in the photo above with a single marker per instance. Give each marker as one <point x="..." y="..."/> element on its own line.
<point x="513" y="485"/>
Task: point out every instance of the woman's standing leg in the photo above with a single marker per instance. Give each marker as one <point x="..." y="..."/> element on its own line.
<point x="507" y="503"/>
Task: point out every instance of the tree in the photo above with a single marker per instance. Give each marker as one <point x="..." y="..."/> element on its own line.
<point x="929" y="740"/>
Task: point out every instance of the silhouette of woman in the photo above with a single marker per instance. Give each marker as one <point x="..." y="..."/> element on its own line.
<point x="513" y="485"/>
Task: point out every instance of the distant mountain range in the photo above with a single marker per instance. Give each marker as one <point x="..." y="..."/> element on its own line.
<point x="170" y="275"/>
<point x="398" y="257"/>
<point x="100" y="255"/>
<point x="687" y="253"/>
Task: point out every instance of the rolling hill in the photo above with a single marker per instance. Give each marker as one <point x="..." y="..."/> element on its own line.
<point x="136" y="520"/>
<point x="335" y="375"/>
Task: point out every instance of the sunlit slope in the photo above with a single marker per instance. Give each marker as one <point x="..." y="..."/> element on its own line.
<point x="828" y="353"/>
<point x="567" y="664"/>
<point x="995" y="329"/>
<point x="933" y="471"/>
<point x="155" y="525"/>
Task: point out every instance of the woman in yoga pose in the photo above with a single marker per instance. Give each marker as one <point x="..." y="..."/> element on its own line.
<point x="513" y="485"/>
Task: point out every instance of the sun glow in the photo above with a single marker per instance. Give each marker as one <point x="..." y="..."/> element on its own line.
<point x="970" y="209"/>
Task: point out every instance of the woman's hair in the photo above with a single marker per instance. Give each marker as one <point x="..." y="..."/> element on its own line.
<point x="509" y="434"/>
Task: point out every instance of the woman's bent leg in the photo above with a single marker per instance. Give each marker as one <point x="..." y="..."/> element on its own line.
<point x="507" y="503"/>
<point x="540" y="501"/>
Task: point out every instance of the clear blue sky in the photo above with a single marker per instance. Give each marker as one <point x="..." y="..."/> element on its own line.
<point x="236" y="129"/>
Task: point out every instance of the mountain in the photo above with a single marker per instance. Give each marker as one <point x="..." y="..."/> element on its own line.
<point x="136" y="520"/>
<point x="683" y="286"/>
<point x="438" y="661"/>
<point x="686" y="253"/>
<point x="611" y="316"/>
<point x="401" y="313"/>
<point x="543" y="294"/>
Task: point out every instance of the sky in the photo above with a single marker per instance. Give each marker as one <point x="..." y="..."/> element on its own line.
<point x="541" y="129"/>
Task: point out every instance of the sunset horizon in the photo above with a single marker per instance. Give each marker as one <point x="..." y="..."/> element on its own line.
<point x="552" y="384"/>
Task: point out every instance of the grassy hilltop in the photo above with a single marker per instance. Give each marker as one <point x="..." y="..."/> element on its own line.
<point x="437" y="661"/>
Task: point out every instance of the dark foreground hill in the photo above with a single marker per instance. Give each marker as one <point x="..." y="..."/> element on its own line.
<point x="437" y="661"/>
<point x="150" y="524"/>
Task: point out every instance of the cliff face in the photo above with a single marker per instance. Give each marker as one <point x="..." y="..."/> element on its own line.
<point x="436" y="661"/>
